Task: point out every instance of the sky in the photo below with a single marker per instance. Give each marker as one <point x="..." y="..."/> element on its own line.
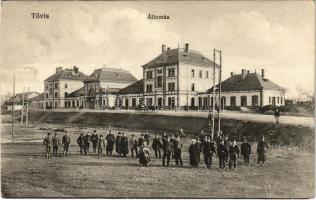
<point x="278" y="36"/>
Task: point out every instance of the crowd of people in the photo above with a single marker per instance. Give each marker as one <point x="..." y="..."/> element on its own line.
<point x="167" y="147"/>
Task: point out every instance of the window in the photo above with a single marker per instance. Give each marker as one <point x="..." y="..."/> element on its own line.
<point x="149" y="88"/>
<point x="159" y="71"/>
<point x="233" y="101"/>
<point x="149" y="75"/>
<point x="56" y="85"/>
<point x="56" y="94"/>
<point x="200" y="74"/>
<point x="66" y="86"/>
<point x="46" y="86"/>
<point x="66" y="94"/>
<point x="254" y="100"/>
<point x="192" y="101"/>
<point x="149" y="101"/>
<point x="243" y="100"/>
<point x="134" y="102"/>
<point x="51" y="91"/>
<point x="269" y="99"/>
<point x="192" y="87"/>
<point x="192" y="73"/>
<point x="171" y="101"/>
<point x="46" y="95"/>
<point x="278" y="100"/>
<point x="171" y="72"/>
<point x="159" y="81"/>
<point x="281" y="101"/>
<point x="171" y="86"/>
<point x="206" y="74"/>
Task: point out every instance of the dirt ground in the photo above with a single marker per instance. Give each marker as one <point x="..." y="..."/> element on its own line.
<point x="25" y="172"/>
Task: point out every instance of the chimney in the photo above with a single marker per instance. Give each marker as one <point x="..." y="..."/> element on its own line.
<point x="168" y="48"/>
<point x="75" y="69"/>
<point x="59" y="69"/>
<point x="231" y="74"/>
<point x="163" y="48"/>
<point x="186" y="49"/>
<point x="262" y="73"/>
<point x="248" y="71"/>
<point x="243" y="74"/>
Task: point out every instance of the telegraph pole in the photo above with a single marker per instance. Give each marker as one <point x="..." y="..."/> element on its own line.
<point x="13" y="102"/>
<point x="27" y="106"/>
<point x="213" y="105"/>
<point x="219" y="91"/>
<point x="22" y="112"/>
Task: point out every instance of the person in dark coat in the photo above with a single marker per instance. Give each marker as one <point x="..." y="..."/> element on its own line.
<point x="208" y="149"/>
<point x="66" y="143"/>
<point x="167" y="149"/>
<point x="94" y="139"/>
<point x="233" y="155"/>
<point x="101" y="145"/>
<point x="88" y="140"/>
<point x="133" y="145"/>
<point x="156" y="145"/>
<point x="194" y="152"/>
<point x="172" y="140"/>
<point x="124" y="145"/>
<point x="81" y="142"/>
<point x="221" y="153"/>
<point x="55" y="143"/>
<point x="261" y="151"/>
<point x="198" y="146"/>
<point x="246" y="151"/>
<point x="146" y="138"/>
<point x="177" y="149"/>
<point x="48" y="143"/>
<point x="109" y="143"/>
<point x="118" y="143"/>
<point x="140" y="141"/>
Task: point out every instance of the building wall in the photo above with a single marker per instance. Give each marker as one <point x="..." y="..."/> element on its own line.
<point x="238" y="95"/>
<point x="106" y="85"/>
<point x="278" y="95"/>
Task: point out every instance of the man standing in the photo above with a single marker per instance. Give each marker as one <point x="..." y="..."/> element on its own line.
<point x="47" y="142"/>
<point x="118" y="143"/>
<point x="208" y="150"/>
<point x="167" y="149"/>
<point x="88" y="140"/>
<point x="233" y="154"/>
<point x="66" y="143"/>
<point x="221" y="153"/>
<point x="94" y="139"/>
<point x="156" y="145"/>
<point x="133" y="145"/>
<point x="109" y="143"/>
<point x="226" y="143"/>
<point x="124" y="145"/>
<point x="81" y="142"/>
<point x="261" y="151"/>
<point x="146" y="138"/>
<point x="140" y="141"/>
<point x="198" y="147"/>
<point x="177" y="145"/>
<point x="245" y="151"/>
<point x="55" y="142"/>
<point x="101" y="145"/>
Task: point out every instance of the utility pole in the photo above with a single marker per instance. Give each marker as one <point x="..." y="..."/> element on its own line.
<point x="22" y="112"/>
<point x="219" y="91"/>
<point x="213" y="96"/>
<point x="13" y="113"/>
<point x="27" y="106"/>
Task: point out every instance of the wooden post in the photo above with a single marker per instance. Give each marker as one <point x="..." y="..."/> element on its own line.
<point x="22" y="111"/>
<point x="213" y="105"/>
<point x="13" y="113"/>
<point x="219" y="90"/>
<point x="27" y="106"/>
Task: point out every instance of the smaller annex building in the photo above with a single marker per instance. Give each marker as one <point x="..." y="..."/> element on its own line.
<point x="249" y="90"/>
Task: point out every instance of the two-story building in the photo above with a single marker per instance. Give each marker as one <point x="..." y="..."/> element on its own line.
<point x="101" y="87"/>
<point x="59" y="85"/>
<point x="176" y="76"/>
<point x="250" y="90"/>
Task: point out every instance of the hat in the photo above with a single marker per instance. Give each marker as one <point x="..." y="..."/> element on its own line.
<point x="48" y="133"/>
<point x="94" y="131"/>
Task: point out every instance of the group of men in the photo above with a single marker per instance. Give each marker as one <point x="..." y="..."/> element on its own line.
<point x="226" y="150"/>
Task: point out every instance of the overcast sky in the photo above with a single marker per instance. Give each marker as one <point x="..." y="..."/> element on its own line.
<point x="276" y="36"/>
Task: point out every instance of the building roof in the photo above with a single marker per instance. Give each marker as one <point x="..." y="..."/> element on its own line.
<point x="77" y="93"/>
<point x="134" y="88"/>
<point x="39" y="97"/>
<point x="111" y="75"/>
<point x="67" y="74"/>
<point x="251" y="81"/>
<point x="173" y="56"/>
